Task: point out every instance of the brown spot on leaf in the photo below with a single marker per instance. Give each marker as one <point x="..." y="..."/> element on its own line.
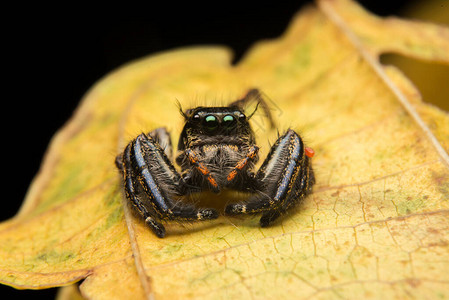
<point x="413" y="282"/>
<point x="335" y="194"/>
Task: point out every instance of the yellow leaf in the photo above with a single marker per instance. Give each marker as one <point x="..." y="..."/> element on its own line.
<point x="376" y="225"/>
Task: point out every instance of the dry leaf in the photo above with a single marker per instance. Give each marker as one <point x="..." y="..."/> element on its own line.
<point x="377" y="224"/>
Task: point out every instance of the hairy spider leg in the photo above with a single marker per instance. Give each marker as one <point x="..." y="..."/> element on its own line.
<point x="256" y="96"/>
<point x="138" y="157"/>
<point x="154" y="142"/>
<point x="251" y="155"/>
<point x="162" y="137"/>
<point x="163" y="205"/>
<point x="299" y="191"/>
<point x="201" y="167"/>
<point x="281" y="175"/>
<point x="304" y="184"/>
<point x="131" y="193"/>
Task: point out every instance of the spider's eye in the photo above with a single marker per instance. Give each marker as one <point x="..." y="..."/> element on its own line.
<point x="228" y="121"/>
<point x="196" y="117"/>
<point x="210" y="122"/>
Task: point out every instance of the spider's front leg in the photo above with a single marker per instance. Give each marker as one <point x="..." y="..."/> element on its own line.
<point x="287" y="177"/>
<point x="151" y="182"/>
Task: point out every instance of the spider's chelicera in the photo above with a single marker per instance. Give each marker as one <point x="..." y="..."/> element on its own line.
<point x="216" y="150"/>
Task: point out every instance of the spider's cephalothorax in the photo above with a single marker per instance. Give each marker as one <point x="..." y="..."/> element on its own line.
<point x="217" y="151"/>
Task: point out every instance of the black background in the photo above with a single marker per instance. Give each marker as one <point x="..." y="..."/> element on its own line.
<point x="52" y="55"/>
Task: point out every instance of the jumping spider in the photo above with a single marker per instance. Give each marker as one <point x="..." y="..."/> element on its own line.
<point x="217" y="150"/>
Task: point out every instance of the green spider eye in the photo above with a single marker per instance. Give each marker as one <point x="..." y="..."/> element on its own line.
<point x="210" y="122"/>
<point x="228" y="118"/>
<point x="228" y="121"/>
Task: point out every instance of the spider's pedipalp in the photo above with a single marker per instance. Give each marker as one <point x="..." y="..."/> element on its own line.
<point x="203" y="169"/>
<point x="241" y="164"/>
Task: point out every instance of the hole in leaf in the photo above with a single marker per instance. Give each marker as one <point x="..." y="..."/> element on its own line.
<point x="430" y="78"/>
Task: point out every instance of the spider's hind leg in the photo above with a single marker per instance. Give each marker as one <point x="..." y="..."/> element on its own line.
<point x="287" y="178"/>
<point x="254" y="95"/>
